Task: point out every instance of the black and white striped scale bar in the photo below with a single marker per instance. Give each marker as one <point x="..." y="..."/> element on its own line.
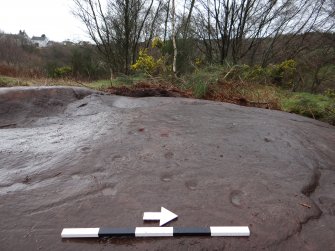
<point x="154" y="232"/>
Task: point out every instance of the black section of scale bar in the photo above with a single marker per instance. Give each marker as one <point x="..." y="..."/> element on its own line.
<point x="117" y="232"/>
<point x="191" y="231"/>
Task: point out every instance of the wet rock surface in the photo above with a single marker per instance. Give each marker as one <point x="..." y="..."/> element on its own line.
<point x="73" y="158"/>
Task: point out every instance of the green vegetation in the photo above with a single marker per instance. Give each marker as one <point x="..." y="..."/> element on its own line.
<point x="118" y="81"/>
<point x="145" y="63"/>
<point x="61" y="72"/>
<point x="100" y="84"/>
<point x="254" y="84"/>
<point x="265" y="87"/>
<point x="316" y="106"/>
<point x="201" y="80"/>
<point x="282" y="74"/>
<point x="9" y="82"/>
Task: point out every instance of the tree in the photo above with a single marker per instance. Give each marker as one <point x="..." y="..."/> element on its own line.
<point x="116" y="27"/>
<point x="174" y="34"/>
<point x="11" y="50"/>
<point x="234" y="29"/>
<point x="84" y="62"/>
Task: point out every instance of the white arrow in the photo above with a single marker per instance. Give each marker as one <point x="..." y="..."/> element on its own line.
<point x="164" y="216"/>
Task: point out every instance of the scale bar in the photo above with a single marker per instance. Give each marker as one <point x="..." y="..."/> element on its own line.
<point x="155" y="232"/>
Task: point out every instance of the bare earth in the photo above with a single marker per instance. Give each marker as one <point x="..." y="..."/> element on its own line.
<point x="73" y="158"/>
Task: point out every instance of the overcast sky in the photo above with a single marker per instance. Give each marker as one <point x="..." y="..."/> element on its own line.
<point x="50" y="17"/>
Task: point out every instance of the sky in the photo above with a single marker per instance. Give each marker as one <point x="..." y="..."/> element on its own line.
<point x="50" y="17"/>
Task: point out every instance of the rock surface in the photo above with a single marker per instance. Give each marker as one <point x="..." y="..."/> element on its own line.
<point x="70" y="157"/>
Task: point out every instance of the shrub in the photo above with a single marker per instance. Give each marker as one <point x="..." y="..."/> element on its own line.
<point x="311" y="105"/>
<point x="7" y="70"/>
<point x="55" y="71"/>
<point x="330" y="93"/>
<point x="284" y="72"/>
<point x="85" y="64"/>
<point x="281" y="74"/>
<point x="255" y="73"/>
<point x="203" y="80"/>
<point x="148" y="64"/>
<point x="157" y="43"/>
<point x="198" y="62"/>
<point x="62" y="72"/>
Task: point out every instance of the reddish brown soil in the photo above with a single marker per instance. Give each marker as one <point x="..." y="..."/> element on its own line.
<point x="230" y="92"/>
<point x="148" y="90"/>
<point x="223" y="92"/>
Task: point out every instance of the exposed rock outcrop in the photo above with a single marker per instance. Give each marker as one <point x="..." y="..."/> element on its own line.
<point x="75" y="158"/>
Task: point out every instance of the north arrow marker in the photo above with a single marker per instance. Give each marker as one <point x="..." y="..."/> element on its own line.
<point x="164" y="216"/>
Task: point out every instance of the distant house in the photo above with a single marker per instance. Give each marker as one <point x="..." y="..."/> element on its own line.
<point x="41" y="41"/>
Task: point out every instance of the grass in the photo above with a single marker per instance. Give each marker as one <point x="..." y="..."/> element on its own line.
<point x="10" y="82"/>
<point x="99" y="84"/>
<point x="212" y="83"/>
<point x="315" y="106"/>
<point x="119" y="81"/>
<point x="200" y="81"/>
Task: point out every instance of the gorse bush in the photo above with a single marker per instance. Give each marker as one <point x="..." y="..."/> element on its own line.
<point x="157" y="43"/>
<point x="62" y="72"/>
<point x="144" y="62"/>
<point x="55" y="71"/>
<point x="147" y="64"/>
<point x="283" y="73"/>
<point x="254" y="73"/>
<point x="198" y="62"/>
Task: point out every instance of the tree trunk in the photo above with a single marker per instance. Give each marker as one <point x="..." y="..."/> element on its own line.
<point x="175" y="52"/>
<point x="188" y="19"/>
<point x="166" y="20"/>
<point x="112" y="76"/>
<point x="127" y="34"/>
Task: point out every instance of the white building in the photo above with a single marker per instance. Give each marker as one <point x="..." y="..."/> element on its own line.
<point x="41" y="41"/>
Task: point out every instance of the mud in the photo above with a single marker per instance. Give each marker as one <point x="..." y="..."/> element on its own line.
<point x="74" y="158"/>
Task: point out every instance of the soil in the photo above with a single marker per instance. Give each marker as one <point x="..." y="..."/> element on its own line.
<point x="71" y="157"/>
<point x="147" y="90"/>
<point x="225" y="94"/>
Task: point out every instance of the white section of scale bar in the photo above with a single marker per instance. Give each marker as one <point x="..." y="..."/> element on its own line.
<point x="80" y="232"/>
